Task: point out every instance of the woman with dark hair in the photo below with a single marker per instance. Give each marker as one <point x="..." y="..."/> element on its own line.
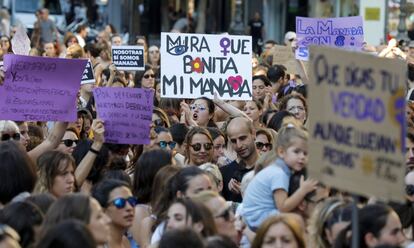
<point x="378" y="225"/>
<point x="119" y="204"/>
<point x="219" y="143"/>
<point x="277" y="120"/>
<point x="186" y="183"/>
<point x="185" y="213"/>
<point x="164" y="139"/>
<point x="199" y="146"/>
<point x="83" y="208"/>
<point x="202" y="112"/>
<point x="260" y="83"/>
<point x="56" y="173"/>
<point x="67" y="234"/>
<point x="145" y="79"/>
<point x="18" y="173"/>
<point x="283" y="229"/>
<point x="69" y="141"/>
<point x="295" y="104"/>
<point x="24" y="218"/>
<point x="146" y="168"/>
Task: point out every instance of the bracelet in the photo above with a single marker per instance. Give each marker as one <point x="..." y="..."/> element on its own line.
<point x="94" y="151"/>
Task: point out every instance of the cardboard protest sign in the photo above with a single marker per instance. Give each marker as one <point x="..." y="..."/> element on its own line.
<point x="88" y="76"/>
<point x="283" y="55"/>
<point x="357" y="122"/>
<point x="128" y="58"/>
<point x="341" y="32"/>
<point x="195" y="65"/>
<point x="40" y="88"/>
<point x="20" y="42"/>
<point x="127" y="113"/>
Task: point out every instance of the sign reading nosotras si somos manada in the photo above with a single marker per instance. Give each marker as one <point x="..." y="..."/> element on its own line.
<point x="357" y="122"/>
<point x="128" y="58"/>
<point x="195" y="65"/>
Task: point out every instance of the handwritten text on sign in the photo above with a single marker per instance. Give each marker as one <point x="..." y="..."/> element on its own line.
<point x="40" y="88"/>
<point x="126" y="112"/>
<point x="357" y="120"/>
<point x="194" y="65"/>
<point x="341" y="32"/>
<point x="128" y="58"/>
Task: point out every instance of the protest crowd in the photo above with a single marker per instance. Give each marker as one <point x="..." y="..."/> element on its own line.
<point x="159" y="156"/>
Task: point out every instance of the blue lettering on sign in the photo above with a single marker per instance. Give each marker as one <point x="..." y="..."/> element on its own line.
<point x="327" y="29"/>
<point x="357" y="106"/>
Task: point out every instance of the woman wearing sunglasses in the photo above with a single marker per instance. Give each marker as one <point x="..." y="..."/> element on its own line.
<point x="199" y="148"/>
<point x="164" y="139"/>
<point x="263" y="140"/>
<point x="119" y="204"/>
<point x="145" y="79"/>
<point x="69" y="141"/>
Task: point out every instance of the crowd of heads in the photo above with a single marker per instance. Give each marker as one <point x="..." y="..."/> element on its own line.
<point x="214" y="174"/>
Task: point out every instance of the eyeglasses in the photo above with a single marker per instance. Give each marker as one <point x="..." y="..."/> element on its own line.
<point x="159" y="122"/>
<point x="120" y="203"/>
<point x="146" y="76"/>
<point x="197" y="106"/>
<point x="409" y="189"/>
<point x="260" y="145"/>
<point x="69" y="142"/>
<point x="226" y="215"/>
<point x="6" y="136"/>
<point x="298" y="108"/>
<point x="164" y="144"/>
<point x="197" y="147"/>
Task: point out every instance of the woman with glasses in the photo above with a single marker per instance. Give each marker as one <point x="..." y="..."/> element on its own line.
<point x="69" y="141"/>
<point x="295" y="104"/>
<point x="119" y="204"/>
<point x="164" y="139"/>
<point x="145" y="79"/>
<point x="199" y="149"/>
<point x="160" y="118"/>
<point x="264" y="141"/>
<point x="222" y="212"/>
<point x="83" y="208"/>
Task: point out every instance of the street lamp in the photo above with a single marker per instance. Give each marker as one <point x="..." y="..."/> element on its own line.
<point x="402" y="26"/>
<point x="237" y="26"/>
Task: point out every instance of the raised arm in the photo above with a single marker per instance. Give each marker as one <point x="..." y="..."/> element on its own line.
<point x="85" y="166"/>
<point x="228" y="108"/>
<point x="51" y="142"/>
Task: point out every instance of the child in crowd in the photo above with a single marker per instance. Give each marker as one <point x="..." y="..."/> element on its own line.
<point x="267" y="193"/>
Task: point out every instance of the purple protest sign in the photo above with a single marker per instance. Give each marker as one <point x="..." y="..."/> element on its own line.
<point x="40" y="88"/>
<point x="341" y="32"/>
<point x="127" y="113"/>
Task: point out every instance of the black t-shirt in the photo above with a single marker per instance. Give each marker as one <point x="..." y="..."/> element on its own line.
<point x="236" y="171"/>
<point x="256" y="28"/>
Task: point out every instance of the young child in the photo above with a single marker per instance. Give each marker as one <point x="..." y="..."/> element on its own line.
<point x="267" y="193"/>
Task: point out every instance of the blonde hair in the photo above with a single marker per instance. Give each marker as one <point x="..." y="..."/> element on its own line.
<point x="213" y="171"/>
<point x="288" y="133"/>
<point x="8" y="126"/>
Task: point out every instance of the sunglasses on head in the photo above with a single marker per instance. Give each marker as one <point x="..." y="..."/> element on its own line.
<point x="260" y="145"/>
<point x="6" y="136"/>
<point x="197" y="147"/>
<point x="226" y="214"/>
<point x="164" y="144"/>
<point x="69" y="142"/>
<point x="120" y="202"/>
<point x="146" y="76"/>
<point x="409" y="189"/>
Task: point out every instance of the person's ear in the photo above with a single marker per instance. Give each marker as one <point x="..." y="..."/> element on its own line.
<point x="280" y="152"/>
<point x="179" y="194"/>
<point x="370" y="240"/>
<point x="198" y="227"/>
